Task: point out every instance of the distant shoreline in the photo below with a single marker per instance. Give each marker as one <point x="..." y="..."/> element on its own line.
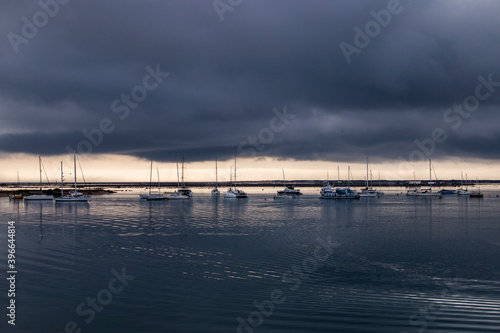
<point x="7" y="189"/>
<point x="266" y="183"/>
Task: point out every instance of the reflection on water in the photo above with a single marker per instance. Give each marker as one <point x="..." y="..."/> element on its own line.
<point x="400" y="263"/>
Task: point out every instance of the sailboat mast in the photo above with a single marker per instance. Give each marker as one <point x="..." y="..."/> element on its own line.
<point x="283" y="177"/>
<point x="183" y="169"/>
<point x="348" y="176"/>
<point x="367" y="172"/>
<point x="230" y="176"/>
<point x="430" y="174"/>
<point x="177" y="163"/>
<point x="235" y="172"/>
<point x="74" y="169"/>
<point x="158" y="175"/>
<point x="216" y="176"/>
<point x="40" y="169"/>
<point x="62" y="180"/>
<point x="150" y="176"/>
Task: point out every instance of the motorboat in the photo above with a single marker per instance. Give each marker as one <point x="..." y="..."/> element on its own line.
<point x="339" y="193"/>
<point x="289" y="192"/>
<point x="443" y="191"/>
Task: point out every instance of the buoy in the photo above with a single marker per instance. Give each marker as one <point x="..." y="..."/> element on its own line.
<point x="497" y="195"/>
<point x="440" y="197"/>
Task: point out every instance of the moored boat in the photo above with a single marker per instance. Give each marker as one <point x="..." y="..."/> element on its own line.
<point x="40" y="196"/>
<point x="289" y="192"/>
<point x="183" y="193"/>
<point x="339" y="193"/>
<point x="235" y="193"/>
<point x="16" y="196"/>
<point x="443" y="191"/>
<point x="215" y="191"/>
<point x="462" y="191"/>
<point x="153" y="196"/>
<point x="368" y="191"/>
<point x="425" y="192"/>
<point x="74" y="196"/>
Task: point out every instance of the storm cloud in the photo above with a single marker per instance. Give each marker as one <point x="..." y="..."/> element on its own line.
<point x="225" y="78"/>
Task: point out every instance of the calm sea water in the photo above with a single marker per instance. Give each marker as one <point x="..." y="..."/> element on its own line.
<point x="390" y="264"/>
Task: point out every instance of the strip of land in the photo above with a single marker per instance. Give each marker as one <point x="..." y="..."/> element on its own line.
<point x="110" y="187"/>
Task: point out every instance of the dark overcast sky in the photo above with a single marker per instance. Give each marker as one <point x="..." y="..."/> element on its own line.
<point x="226" y="77"/>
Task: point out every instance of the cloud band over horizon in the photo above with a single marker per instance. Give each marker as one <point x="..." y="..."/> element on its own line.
<point x="419" y="72"/>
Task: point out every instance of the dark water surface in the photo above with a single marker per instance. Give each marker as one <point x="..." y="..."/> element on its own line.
<point x="390" y="264"/>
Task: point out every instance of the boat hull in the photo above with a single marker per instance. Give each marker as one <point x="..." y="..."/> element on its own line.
<point x="447" y="192"/>
<point x="80" y="199"/>
<point x="368" y="195"/>
<point x="38" y="197"/>
<point x="286" y="196"/>
<point x="423" y="193"/>
<point x="340" y="197"/>
<point x="152" y="196"/>
<point x="178" y="197"/>
<point x="162" y="198"/>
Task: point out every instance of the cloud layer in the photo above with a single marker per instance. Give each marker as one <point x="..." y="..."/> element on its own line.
<point x="226" y="77"/>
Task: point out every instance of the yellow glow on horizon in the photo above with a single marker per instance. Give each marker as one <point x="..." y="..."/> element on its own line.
<point x="112" y="168"/>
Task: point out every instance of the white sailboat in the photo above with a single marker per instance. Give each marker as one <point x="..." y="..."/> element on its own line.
<point x="74" y="196"/>
<point x="16" y="196"/>
<point x="183" y="193"/>
<point x="215" y="191"/>
<point x="425" y="192"/>
<point x="235" y="194"/>
<point x="368" y="191"/>
<point x="462" y="191"/>
<point x="157" y="196"/>
<point x="153" y="196"/>
<point x="40" y="196"/>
